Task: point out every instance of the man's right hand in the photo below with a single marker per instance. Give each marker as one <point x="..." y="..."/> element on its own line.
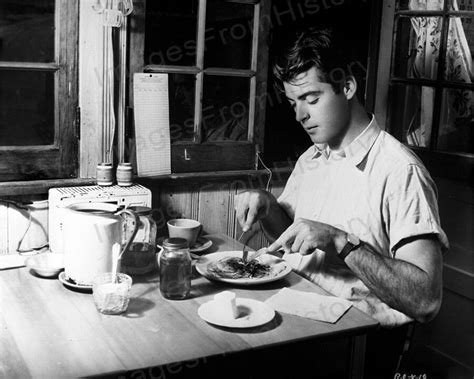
<point x="251" y="206"/>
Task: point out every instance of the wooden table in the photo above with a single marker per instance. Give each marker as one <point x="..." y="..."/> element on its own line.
<point x="48" y="330"/>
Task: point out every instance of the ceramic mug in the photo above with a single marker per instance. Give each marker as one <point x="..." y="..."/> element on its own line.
<point x="184" y="228"/>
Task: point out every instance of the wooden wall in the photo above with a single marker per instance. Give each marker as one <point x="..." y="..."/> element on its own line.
<point x="211" y="202"/>
<point x="450" y="336"/>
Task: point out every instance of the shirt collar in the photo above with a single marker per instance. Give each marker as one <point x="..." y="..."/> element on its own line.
<point x="357" y="150"/>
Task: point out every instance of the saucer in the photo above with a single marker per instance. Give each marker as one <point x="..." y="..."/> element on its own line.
<point x="251" y="313"/>
<point x="202" y="244"/>
<point x="73" y="285"/>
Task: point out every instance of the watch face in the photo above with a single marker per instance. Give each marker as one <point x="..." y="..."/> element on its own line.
<point x="353" y="239"/>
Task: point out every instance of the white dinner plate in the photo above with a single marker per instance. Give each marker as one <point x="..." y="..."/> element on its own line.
<point x="280" y="268"/>
<point x="251" y="313"/>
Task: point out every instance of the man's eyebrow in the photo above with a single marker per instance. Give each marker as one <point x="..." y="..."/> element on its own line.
<point x="306" y="94"/>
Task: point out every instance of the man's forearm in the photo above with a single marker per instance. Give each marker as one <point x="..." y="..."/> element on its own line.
<point x="276" y="222"/>
<point x="400" y="284"/>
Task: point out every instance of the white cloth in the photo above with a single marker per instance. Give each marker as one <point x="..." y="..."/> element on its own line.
<point x="375" y="188"/>
<point x="12" y="261"/>
<point x="309" y="305"/>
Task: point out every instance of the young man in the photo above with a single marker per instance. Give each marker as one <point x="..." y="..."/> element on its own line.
<point x="358" y="215"/>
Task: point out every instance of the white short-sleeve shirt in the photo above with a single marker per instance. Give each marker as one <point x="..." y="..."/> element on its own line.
<point x="375" y="188"/>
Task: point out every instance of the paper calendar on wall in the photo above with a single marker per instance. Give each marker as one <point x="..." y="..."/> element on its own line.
<point x="152" y="125"/>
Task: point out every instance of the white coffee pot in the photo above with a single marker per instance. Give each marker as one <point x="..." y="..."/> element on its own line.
<point x="89" y="231"/>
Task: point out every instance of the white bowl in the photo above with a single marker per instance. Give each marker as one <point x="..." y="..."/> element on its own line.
<point x="46" y="264"/>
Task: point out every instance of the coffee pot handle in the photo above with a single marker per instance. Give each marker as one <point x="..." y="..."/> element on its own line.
<point x="135" y="223"/>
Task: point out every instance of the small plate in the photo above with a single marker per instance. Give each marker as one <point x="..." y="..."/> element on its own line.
<point x="251" y="313"/>
<point x="281" y="267"/>
<point x="70" y="284"/>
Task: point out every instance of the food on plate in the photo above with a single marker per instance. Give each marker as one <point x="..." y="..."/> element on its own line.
<point x="236" y="268"/>
<point x="226" y="304"/>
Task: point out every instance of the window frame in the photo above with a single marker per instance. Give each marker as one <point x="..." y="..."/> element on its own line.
<point x="439" y="162"/>
<point x="60" y="159"/>
<point x="195" y="156"/>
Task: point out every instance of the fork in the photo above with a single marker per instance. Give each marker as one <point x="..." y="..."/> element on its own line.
<point x="245" y="253"/>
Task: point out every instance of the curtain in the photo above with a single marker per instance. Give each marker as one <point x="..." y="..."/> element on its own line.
<point x="457" y="105"/>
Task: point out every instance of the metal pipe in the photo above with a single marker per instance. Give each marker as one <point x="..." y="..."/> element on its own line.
<point x="122" y="91"/>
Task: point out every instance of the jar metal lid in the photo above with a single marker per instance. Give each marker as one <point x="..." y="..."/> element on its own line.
<point x="175" y="243"/>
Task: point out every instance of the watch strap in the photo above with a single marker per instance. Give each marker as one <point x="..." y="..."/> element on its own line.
<point x="347" y="249"/>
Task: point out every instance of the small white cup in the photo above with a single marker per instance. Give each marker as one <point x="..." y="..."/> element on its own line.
<point x="184" y="228"/>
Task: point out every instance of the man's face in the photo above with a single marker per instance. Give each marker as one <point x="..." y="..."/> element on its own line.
<point x="324" y="114"/>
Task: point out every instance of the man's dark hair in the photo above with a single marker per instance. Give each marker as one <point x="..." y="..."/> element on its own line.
<point x="323" y="49"/>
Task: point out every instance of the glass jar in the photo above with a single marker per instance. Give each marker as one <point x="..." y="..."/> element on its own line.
<point x="140" y="257"/>
<point x="175" y="269"/>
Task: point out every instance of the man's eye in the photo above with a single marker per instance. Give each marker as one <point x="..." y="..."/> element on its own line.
<point x="293" y="105"/>
<point x="313" y="101"/>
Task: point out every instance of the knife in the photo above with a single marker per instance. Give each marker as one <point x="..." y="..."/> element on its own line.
<point x="264" y="250"/>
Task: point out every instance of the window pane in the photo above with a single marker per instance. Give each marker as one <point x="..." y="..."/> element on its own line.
<point x="463" y="5"/>
<point x="417" y="47"/>
<point x="411" y="110"/>
<point x="459" y="51"/>
<point x="225" y="108"/>
<point x="228" y="34"/>
<point x="420" y="5"/>
<point x="457" y="121"/>
<point x="26" y="108"/>
<point x="170" y="35"/>
<point x="181" y="96"/>
<point x="27" y="30"/>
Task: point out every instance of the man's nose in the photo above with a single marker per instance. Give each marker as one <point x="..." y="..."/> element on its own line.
<point x="301" y="113"/>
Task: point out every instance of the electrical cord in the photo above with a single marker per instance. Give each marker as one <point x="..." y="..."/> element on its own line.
<point x="267" y="187"/>
<point x="24" y="207"/>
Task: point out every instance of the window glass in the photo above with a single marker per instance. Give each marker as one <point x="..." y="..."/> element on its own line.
<point x="26" y="108"/>
<point x="463" y="5"/>
<point x="181" y="102"/>
<point x="225" y="108"/>
<point x="228" y="34"/>
<point x="417" y="47"/>
<point x="456" y="132"/>
<point x="411" y="109"/>
<point x="413" y="116"/>
<point x="170" y="36"/>
<point x="459" y="52"/>
<point x="27" y="30"/>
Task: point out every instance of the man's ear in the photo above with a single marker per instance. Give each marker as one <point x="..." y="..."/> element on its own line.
<point x="350" y="87"/>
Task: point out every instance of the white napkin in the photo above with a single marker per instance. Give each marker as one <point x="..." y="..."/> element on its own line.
<point x="11" y="261"/>
<point x="309" y="305"/>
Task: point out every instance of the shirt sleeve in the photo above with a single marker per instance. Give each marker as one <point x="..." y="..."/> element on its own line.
<point x="411" y="206"/>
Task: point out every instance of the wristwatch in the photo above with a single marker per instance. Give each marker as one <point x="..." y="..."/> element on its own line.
<point x="353" y="242"/>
